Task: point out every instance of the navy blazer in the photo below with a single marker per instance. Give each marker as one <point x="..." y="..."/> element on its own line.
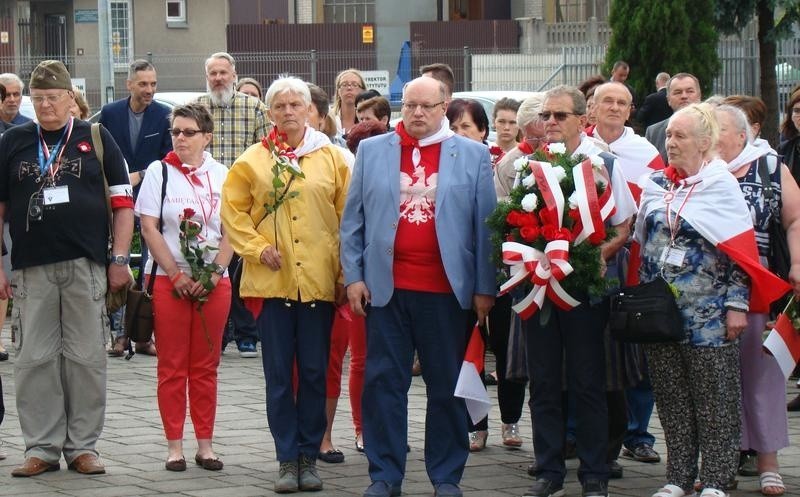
<point x="154" y="139"/>
<point x="464" y="199"/>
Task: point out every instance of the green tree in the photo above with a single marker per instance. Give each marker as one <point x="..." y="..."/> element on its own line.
<point x="654" y="36"/>
<point x="732" y="16"/>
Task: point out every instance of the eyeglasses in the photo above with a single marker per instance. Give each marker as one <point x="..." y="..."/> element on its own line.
<point x="39" y="99"/>
<point x="559" y="116"/>
<point x="534" y="141"/>
<point x="350" y="85"/>
<point x="188" y="133"/>
<point x="412" y="107"/>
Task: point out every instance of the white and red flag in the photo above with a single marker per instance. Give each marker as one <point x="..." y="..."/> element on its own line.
<point x="636" y="155"/>
<point x="783" y="342"/>
<point x="469" y="385"/>
<point x="717" y="210"/>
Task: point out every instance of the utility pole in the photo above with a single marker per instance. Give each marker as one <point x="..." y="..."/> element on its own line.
<point x="106" y="60"/>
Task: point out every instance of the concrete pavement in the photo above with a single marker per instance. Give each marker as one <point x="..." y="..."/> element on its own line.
<point x="133" y="447"/>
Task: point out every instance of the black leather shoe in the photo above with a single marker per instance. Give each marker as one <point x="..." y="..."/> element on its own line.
<point x="794" y="404"/>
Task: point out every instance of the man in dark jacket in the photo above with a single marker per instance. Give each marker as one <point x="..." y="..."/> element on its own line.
<point x="655" y="107"/>
<point x="140" y="127"/>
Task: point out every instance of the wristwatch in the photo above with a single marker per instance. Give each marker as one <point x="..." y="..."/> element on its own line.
<point x="120" y="260"/>
<point x="221" y="270"/>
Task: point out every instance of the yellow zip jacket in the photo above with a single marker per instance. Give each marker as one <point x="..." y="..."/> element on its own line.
<point x="308" y="224"/>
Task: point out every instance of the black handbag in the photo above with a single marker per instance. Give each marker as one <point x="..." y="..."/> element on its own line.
<point x="139" y="306"/>
<point x="780" y="260"/>
<point x="646" y="313"/>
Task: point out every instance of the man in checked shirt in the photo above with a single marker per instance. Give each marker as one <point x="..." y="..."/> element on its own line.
<point x="239" y="121"/>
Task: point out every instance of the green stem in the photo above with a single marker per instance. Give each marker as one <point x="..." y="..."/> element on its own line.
<point x="205" y="326"/>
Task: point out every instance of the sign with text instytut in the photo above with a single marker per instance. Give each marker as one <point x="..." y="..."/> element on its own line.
<point x="378" y="80"/>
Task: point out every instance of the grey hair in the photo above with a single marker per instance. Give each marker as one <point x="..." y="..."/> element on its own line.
<point x="139" y="65"/>
<point x="739" y="119"/>
<point x="662" y="78"/>
<point x="221" y="55"/>
<point x="578" y="100"/>
<point x="529" y="109"/>
<point x="705" y="122"/>
<point x="288" y="84"/>
<point x="9" y="77"/>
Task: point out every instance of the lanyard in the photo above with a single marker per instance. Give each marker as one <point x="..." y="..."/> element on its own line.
<point x="673" y="225"/>
<point x="46" y="159"/>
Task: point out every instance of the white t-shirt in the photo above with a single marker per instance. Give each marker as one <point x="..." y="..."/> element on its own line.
<point x="203" y="197"/>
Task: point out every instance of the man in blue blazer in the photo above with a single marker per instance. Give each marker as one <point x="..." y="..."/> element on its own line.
<point x="416" y="258"/>
<point x="140" y="127"/>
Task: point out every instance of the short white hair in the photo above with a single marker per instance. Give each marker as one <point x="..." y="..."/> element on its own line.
<point x="288" y="84"/>
<point x="9" y="78"/>
<point x="529" y="109"/>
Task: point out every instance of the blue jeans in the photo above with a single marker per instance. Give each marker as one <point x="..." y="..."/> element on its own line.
<point x="640" y="407"/>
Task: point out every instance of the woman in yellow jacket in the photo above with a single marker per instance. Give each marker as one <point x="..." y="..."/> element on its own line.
<point x="282" y="205"/>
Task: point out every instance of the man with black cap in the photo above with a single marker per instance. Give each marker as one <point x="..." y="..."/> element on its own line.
<point x="51" y="182"/>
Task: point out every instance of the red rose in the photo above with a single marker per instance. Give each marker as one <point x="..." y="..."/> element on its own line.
<point x="548" y="217"/>
<point x="512" y="218"/>
<point x="84" y="147"/>
<point x="563" y="234"/>
<point x="529" y="233"/>
<point x="529" y="219"/>
<point x="188" y="213"/>
<point x="549" y="232"/>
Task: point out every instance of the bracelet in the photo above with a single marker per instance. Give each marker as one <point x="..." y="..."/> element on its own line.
<point x="177" y="276"/>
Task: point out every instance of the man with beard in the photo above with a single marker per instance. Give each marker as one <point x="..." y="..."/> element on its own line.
<point x="239" y="121"/>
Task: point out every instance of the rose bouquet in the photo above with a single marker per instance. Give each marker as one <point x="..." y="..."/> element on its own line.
<point x="550" y="231"/>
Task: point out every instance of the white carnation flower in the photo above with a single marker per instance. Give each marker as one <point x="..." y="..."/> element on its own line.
<point x="520" y="164"/>
<point x="528" y="181"/>
<point x="573" y="200"/>
<point x="557" y="148"/>
<point x="597" y="161"/>
<point x="529" y="202"/>
<point x="560" y="173"/>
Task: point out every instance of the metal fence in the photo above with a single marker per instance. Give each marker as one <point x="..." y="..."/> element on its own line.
<point x="476" y="69"/>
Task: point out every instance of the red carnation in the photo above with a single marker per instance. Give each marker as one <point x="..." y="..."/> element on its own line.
<point x="84" y="147"/>
<point x="188" y="213"/>
<point x="529" y="233"/>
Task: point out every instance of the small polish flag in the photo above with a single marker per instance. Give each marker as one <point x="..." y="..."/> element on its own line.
<point x="469" y="386"/>
<point x="783" y="342"/>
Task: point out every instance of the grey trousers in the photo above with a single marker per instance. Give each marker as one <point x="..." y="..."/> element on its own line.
<point x="60" y="364"/>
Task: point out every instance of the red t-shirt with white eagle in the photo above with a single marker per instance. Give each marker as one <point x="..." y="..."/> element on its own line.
<point x="417" y="260"/>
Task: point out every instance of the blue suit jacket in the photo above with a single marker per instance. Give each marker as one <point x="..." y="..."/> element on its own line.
<point x="154" y="140"/>
<point x="464" y="199"/>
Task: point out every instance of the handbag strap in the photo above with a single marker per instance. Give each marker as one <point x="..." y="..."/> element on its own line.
<point x="164" y="175"/>
<point x="97" y="143"/>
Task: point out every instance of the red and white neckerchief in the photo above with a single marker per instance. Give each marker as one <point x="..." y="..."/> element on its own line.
<point x="407" y="140"/>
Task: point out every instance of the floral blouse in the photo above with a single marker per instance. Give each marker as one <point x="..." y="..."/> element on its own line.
<point x="707" y="280"/>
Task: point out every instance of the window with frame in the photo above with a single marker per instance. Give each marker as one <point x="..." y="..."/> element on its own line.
<point x="349" y="11"/>
<point x="121" y="33"/>
<point x="176" y="12"/>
